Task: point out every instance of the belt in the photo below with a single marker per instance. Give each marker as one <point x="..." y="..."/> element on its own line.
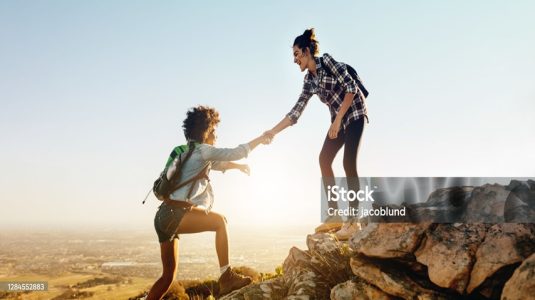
<point x="177" y="203"/>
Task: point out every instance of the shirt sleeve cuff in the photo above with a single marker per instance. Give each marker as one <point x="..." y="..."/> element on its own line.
<point x="292" y="118"/>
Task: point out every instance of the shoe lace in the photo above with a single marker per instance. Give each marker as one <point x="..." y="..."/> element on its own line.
<point x="235" y="275"/>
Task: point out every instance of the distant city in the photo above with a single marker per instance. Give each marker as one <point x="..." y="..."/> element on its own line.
<point x="133" y="256"/>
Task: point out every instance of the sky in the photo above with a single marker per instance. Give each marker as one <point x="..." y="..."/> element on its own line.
<point x="93" y="94"/>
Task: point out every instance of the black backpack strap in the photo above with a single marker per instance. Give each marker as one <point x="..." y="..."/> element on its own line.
<point x="352" y="72"/>
<point x="199" y="175"/>
<point x="202" y="174"/>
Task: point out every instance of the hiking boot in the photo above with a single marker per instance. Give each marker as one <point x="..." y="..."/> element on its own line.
<point x="348" y="230"/>
<point x="331" y="224"/>
<point x="230" y="281"/>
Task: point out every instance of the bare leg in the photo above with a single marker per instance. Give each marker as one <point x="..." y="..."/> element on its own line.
<point x="169" y="252"/>
<point x="198" y="221"/>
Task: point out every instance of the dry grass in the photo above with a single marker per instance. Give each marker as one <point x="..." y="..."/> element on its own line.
<point x="59" y="285"/>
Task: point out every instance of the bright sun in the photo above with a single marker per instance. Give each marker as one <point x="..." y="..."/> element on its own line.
<point x="272" y="196"/>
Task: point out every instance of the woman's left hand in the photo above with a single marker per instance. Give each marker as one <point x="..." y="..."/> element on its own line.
<point x="334" y="129"/>
<point x="245" y="169"/>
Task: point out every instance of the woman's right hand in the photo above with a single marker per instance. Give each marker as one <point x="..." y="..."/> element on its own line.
<point x="262" y="139"/>
<point x="268" y="137"/>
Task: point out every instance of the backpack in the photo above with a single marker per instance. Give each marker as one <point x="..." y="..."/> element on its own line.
<point x="163" y="187"/>
<point x="353" y="73"/>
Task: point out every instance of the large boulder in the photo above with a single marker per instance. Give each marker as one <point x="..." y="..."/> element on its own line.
<point x="389" y="240"/>
<point x="521" y="286"/>
<point x="504" y="245"/>
<point x="449" y="253"/>
<point x="393" y="281"/>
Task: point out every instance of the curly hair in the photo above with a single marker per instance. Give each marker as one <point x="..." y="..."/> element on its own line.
<point x="199" y="122"/>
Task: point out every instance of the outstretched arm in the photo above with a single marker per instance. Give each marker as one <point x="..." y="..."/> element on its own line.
<point x="211" y="153"/>
<point x="292" y="117"/>
<point x="225" y="164"/>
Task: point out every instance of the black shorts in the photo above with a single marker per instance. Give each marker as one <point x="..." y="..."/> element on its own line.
<point x="167" y="220"/>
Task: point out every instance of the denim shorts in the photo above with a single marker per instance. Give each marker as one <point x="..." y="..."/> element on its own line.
<point x="167" y="220"/>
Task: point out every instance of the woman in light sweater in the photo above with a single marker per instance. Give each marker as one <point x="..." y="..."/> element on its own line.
<point x="188" y="209"/>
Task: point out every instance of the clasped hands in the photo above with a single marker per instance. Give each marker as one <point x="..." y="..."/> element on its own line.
<point x="268" y="137"/>
<point x="334" y="129"/>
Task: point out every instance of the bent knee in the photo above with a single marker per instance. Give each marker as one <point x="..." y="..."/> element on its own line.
<point x="220" y="220"/>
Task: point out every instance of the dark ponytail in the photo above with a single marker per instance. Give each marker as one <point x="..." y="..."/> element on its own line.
<point x="307" y="40"/>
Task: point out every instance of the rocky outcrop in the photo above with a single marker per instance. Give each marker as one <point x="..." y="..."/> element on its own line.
<point x="308" y="274"/>
<point x="421" y="260"/>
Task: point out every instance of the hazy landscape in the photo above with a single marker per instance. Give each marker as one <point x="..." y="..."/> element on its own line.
<point x="121" y="264"/>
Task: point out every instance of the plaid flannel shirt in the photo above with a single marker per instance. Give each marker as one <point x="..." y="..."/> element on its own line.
<point x="331" y="90"/>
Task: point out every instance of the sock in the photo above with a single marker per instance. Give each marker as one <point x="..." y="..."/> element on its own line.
<point x="223" y="269"/>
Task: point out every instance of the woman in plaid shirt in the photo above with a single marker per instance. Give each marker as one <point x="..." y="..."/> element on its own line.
<point x="333" y="84"/>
